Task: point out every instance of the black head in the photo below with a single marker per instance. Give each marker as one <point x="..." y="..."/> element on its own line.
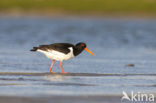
<point x="81" y="45"/>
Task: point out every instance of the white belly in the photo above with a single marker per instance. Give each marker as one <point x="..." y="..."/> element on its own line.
<point x="52" y="54"/>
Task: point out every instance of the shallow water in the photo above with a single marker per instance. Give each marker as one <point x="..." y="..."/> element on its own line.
<point x="115" y="44"/>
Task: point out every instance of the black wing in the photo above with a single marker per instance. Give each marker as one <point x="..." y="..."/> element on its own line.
<point x="61" y="47"/>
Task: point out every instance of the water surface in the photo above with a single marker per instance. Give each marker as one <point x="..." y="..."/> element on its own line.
<point x="115" y="44"/>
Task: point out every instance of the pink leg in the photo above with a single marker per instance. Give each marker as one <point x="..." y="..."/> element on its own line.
<point x="62" y="68"/>
<point x="50" y="70"/>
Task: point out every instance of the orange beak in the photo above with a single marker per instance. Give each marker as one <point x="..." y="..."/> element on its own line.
<point x="88" y="51"/>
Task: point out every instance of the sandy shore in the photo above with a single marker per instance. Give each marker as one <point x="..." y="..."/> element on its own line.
<point x="60" y="99"/>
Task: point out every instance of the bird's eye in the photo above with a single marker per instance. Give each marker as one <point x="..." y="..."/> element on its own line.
<point x="82" y="45"/>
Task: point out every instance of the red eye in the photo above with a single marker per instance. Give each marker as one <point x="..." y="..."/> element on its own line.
<point x="82" y="45"/>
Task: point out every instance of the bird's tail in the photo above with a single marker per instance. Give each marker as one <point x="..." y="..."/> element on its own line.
<point x="34" y="49"/>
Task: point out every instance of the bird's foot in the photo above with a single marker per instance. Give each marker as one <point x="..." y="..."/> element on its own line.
<point x="51" y="72"/>
<point x="64" y="72"/>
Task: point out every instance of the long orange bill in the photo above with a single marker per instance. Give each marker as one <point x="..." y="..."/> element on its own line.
<point x="88" y="51"/>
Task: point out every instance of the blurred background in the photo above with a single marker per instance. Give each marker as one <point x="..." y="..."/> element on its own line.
<point x="118" y="32"/>
<point x="106" y="23"/>
<point x="76" y="7"/>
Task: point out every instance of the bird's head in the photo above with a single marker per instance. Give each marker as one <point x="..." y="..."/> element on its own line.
<point x="82" y="46"/>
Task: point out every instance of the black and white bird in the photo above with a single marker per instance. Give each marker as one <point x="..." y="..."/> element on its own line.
<point x="61" y="52"/>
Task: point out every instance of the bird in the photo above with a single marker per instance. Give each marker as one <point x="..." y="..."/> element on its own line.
<point x="61" y="52"/>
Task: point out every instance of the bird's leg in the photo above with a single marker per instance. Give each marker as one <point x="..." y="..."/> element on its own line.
<point x="50" y="70"/>
<point x="62" y="68"/>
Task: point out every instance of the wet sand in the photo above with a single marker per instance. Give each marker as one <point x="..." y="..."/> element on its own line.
<point x="16" y="98"/>
<point x="61" y="99"/>
<point x="69" y="74"/>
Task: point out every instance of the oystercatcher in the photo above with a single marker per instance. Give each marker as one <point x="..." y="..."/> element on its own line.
<point x="61" y="51"/>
